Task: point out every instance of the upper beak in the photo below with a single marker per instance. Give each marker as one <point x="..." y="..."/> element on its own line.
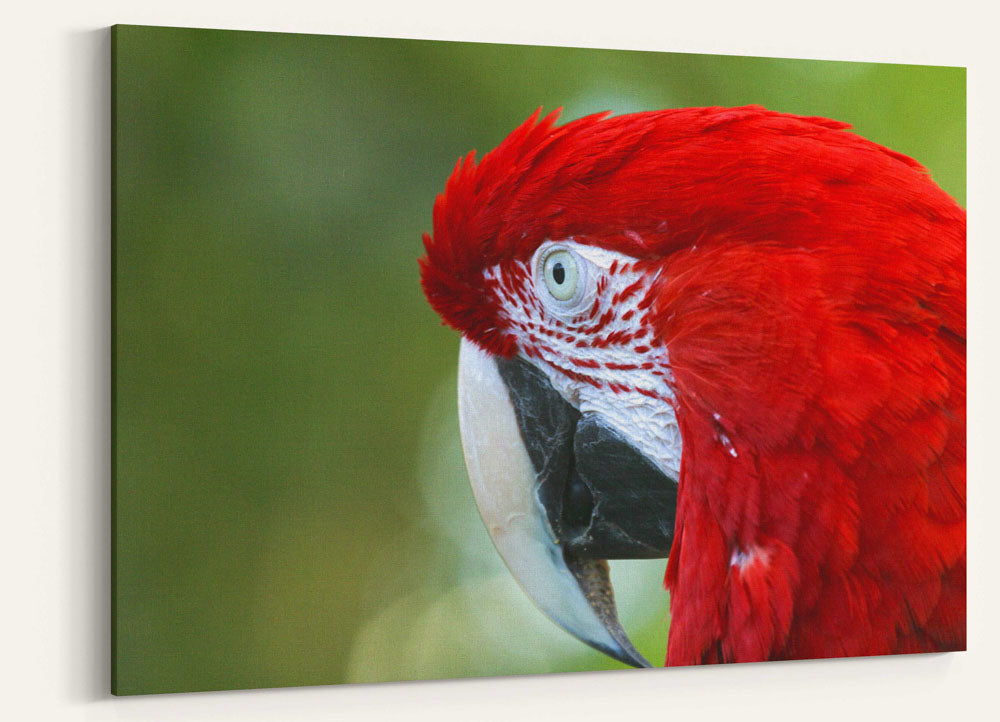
<point x="560" y="493"/>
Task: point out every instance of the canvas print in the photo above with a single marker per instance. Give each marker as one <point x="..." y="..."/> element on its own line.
<point x="444" y="359"/>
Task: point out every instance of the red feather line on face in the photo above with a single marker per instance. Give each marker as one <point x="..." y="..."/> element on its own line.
<point x="811" y="297"/>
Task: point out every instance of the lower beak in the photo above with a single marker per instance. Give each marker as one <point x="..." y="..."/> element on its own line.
<point x="560" y="493"/>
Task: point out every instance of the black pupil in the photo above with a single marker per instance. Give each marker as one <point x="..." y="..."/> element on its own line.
<point x="559" y="273"/>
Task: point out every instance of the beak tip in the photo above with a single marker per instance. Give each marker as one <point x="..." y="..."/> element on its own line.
<point x="631" y="656"/>
<point x="594" y="580"/>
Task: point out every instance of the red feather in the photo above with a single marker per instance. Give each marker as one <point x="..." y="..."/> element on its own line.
<point x="812" y="301"/>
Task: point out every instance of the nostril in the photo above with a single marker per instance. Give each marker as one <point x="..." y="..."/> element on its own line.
<point x="578" y="503"/>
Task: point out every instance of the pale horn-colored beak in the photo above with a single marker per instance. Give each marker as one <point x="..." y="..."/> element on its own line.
<point x="575" y="593"/>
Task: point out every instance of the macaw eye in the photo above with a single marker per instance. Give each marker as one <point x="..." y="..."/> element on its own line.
<point x="561" y="272"/>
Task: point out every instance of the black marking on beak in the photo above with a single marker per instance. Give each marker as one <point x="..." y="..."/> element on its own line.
<point x="603" y="498"/>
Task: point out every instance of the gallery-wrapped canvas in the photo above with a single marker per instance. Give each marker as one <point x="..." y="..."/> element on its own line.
<point x="669" y="371"/>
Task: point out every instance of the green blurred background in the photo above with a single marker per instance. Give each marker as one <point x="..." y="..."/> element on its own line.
<point x="291" y="506"/>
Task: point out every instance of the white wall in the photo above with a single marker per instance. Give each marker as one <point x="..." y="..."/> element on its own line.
<point x="55" y="304"/>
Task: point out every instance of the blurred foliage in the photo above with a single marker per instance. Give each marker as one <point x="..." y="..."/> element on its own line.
<point x="290" y="502"/>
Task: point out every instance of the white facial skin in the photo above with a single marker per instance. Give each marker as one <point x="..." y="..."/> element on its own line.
<point x="578" y="312"/>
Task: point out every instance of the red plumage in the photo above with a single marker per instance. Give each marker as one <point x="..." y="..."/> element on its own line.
<point x="812" y="299"/>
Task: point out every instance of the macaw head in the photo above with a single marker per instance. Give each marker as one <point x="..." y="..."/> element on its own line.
<point x="640" y="300"/>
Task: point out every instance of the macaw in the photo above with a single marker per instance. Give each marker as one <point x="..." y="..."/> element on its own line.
<point x="730" y="337"/>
